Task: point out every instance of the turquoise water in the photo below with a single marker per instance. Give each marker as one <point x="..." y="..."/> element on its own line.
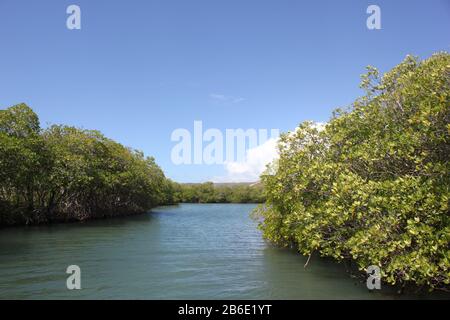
<point x="190" y="251"/>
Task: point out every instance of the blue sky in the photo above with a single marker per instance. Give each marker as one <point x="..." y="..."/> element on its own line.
<point x="137" y="70"/>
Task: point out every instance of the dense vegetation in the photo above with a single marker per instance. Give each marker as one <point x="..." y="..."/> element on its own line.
<point x="219" y="193"/>
<point x="63" y="173"/>
<point x="373" y="184"/>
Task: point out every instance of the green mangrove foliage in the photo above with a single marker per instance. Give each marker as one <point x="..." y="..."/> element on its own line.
<point x="372" y="185"/>
<point x="220" y="193"/>
<point x="63" y="173"/>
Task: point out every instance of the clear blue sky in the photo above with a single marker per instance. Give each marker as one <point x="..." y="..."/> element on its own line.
<point x="137" y="70"/>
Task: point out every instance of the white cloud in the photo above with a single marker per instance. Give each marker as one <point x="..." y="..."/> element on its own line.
<point x="225" y="99"/>
<point x="217" y="96"/>
<point x="320" y="126"/>
<point x="255" y="160"/>
<point x="237" y="100"/>
<point x="253" y="165"/>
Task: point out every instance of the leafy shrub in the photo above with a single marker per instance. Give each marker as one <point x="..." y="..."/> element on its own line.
<point x="373" y="184"/>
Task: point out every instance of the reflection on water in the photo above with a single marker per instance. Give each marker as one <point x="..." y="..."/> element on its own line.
<point x="210" y="251"/>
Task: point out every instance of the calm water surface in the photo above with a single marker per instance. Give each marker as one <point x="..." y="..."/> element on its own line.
<point x="190" y="251"/>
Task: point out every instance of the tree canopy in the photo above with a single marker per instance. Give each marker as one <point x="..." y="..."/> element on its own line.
<point x="373" y="184"/>
<point x="64" y="173"/>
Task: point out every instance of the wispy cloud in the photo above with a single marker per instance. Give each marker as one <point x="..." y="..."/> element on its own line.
<point x="225" y="99"/>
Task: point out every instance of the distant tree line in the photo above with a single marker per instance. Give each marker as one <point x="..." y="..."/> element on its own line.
<point x="373" y="185"/>
<point x="63" y="173"/>
<point x="209" y="192"/>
